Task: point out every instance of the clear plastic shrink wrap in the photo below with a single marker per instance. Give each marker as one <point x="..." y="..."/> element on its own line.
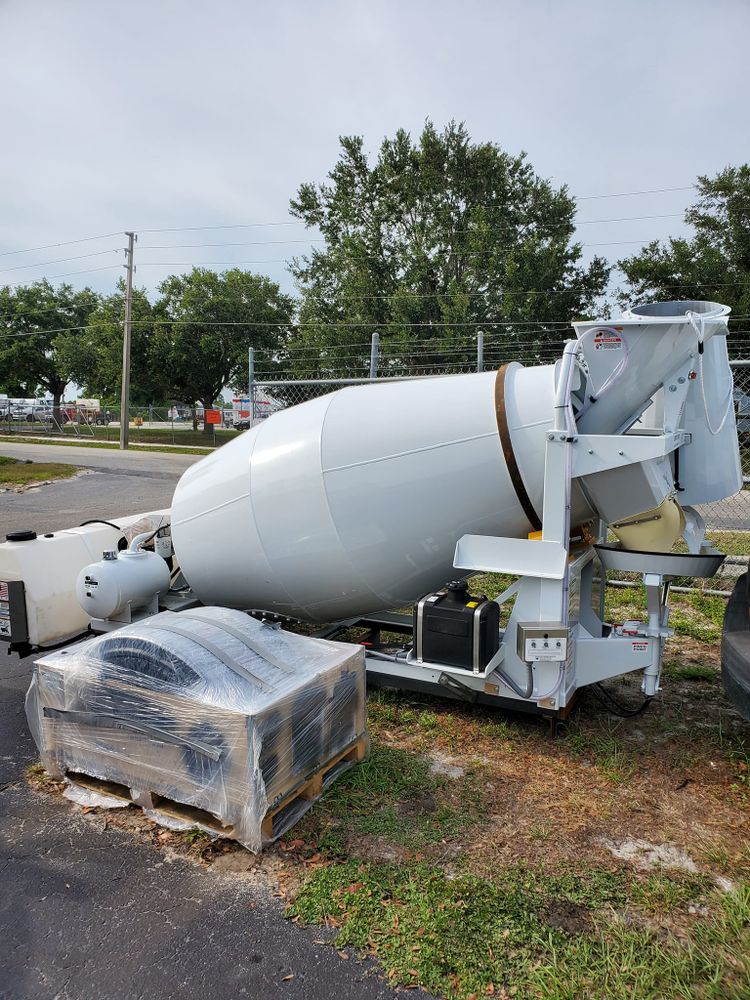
<point x="206" y="708"/>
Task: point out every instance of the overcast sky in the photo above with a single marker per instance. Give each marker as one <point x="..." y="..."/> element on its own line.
<point x="153" y="114"/>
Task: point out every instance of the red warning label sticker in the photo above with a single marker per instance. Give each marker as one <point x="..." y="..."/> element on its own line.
<point x="607" y="339"/>
<point x="640" y="647"/>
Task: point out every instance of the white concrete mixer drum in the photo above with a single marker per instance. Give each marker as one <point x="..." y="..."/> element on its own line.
<point x="353" y="502"/>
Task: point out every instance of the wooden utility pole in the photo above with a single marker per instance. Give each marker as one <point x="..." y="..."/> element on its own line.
<point x="125" y="392"/>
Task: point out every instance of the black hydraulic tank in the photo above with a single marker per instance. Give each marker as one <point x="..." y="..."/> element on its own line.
<point x="455" y="628"/>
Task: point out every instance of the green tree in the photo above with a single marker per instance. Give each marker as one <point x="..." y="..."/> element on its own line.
<point x="435" y="240"/>
<point x="207" y="323"/>
<point x="714" y="263"/>
<point x="95" y="356"/>
<point x="38" y="327"/>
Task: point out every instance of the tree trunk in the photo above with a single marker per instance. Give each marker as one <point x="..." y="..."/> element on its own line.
<point x="208" y="429"/>
<point x="56" y="414"/>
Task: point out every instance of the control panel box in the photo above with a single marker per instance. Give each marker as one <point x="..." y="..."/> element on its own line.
<point x="541" y="642"/>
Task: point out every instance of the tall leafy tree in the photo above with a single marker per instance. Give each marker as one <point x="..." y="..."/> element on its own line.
<point x="437" y="238"/>
<point x="95" y="356"/>
<point x="38" y="327"/>
<point x="714" y="263"/>
<point x="207" y="322"/>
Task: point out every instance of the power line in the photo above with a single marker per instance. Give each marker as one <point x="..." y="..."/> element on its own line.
<point x="297" y="222"/>
<point x="268" y="243"/>
<point x="472" y="324"/>
<point x="61" y="260"/>
<point x="630" y="194"/>
<point x="253" y="243"/>
<point x="630" y="218"/>
<point x="66" y="274"/>
<point x="256" y="324"/>
<point x="238" y="225"/>
<point x="300" y="222"/>
<point x="358" y="256"/>
<point x="306" y="241"/>
<point x="255" y="263"/>
<point x="65" y="243"/>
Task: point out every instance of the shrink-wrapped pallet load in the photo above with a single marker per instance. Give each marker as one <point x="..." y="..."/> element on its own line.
<point x="207" y="716"/>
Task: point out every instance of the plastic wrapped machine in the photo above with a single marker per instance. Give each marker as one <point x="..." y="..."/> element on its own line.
<point x="208" y="715"/>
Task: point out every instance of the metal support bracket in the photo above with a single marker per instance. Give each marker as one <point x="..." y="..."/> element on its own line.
<point x="601" y="452"/>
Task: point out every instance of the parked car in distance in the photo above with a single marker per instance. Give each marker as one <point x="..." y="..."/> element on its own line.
<point x="21" y="412"/>
<point x="43" y="414"/>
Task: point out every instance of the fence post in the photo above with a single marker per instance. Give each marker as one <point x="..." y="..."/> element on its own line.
<point x="480" y="351"/>
<point x="374" y="355"/>
<point x="251" y="382"/>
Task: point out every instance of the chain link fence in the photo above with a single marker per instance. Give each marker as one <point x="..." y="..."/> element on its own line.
<point x="176" y="424"/>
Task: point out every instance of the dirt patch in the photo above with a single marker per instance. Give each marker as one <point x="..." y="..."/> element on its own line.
<point x="377" y="849"/>
<point x="568" y="917"/>
<point x="234" y="862"/>
<point x="687" y="650"/>
<point x="419" y="804"/>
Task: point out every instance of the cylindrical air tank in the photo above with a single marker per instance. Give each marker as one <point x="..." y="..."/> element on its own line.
<point x="353" y="502"/>
<point x="121" y="581"/>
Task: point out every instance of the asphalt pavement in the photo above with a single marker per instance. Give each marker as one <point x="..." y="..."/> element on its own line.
<point x="89" y="912"/>
<point x="116" y="483"/>
<point x="110" y="459"/>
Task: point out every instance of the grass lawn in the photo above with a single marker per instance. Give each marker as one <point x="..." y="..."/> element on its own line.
<point x="15" y="473"/>
<point x="89" y="443"/>
<point x="476" y="855"/>
<point x="186" y="437"/>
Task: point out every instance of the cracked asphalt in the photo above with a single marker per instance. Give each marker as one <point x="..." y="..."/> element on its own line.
<point x="91" y="913"/>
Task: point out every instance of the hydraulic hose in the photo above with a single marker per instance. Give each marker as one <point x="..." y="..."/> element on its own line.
<point x="526" y="692"/>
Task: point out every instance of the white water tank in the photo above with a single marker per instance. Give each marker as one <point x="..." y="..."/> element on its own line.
<point x="354" y="502"/>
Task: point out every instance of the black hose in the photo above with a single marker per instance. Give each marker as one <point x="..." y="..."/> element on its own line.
<point x="603" y="696"/>
<point x="98" y="520"/>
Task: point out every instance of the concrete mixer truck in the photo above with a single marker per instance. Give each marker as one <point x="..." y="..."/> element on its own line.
<point x="372" y="507"/>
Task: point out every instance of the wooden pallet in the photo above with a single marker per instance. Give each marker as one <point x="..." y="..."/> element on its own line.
<point x="312" y="787"/>
<point x="152" y="801"/>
